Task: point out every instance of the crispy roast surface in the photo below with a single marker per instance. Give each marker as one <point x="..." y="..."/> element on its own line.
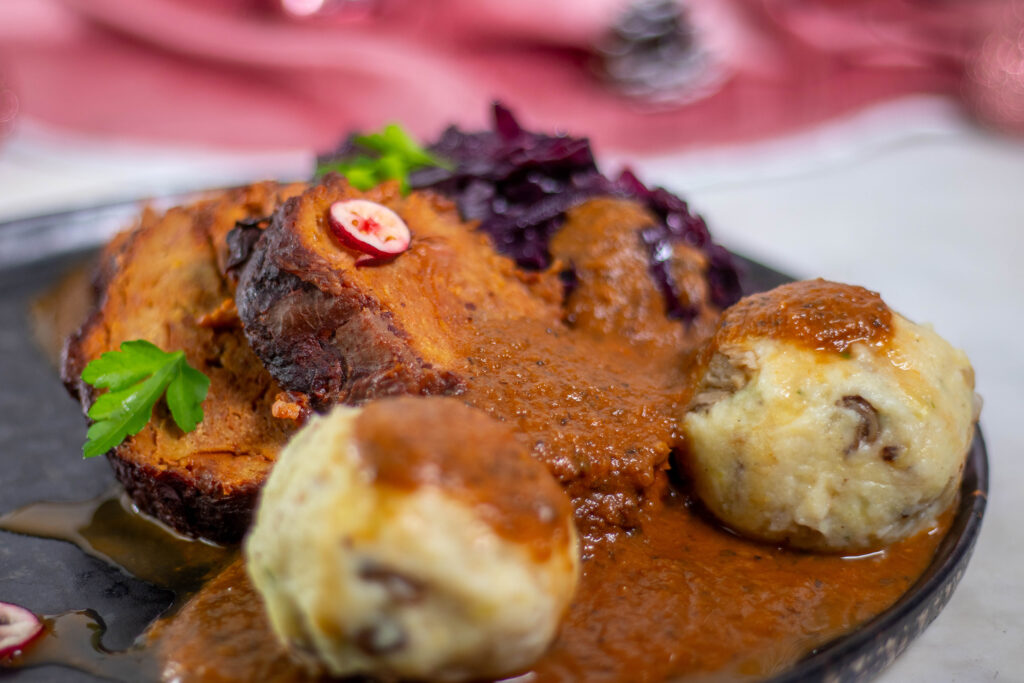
<point x="342" y="333"/>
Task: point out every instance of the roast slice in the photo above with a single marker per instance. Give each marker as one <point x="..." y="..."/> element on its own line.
<point x="164" y="281"/>
<point x="342" y="332"/>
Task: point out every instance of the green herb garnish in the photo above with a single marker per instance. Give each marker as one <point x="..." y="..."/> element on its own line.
<point x="388" y="155"/>
<point x="137" y="376"/>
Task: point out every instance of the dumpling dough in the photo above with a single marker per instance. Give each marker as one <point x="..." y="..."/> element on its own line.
<point x="822" y="420"/>
<point x="413" y="538"/>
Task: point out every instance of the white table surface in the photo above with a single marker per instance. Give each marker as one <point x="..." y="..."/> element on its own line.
<point x="906" y="199"/>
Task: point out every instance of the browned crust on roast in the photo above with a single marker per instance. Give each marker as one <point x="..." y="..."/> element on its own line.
<point x="158" y="281"/>
<point x="344" y="334"/>
<point x="335" y="349"/>
<point x="73" y="359"/>
<point x="178" y="500"/>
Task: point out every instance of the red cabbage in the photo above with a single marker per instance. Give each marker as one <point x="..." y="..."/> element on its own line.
<point x="519" y="184"/>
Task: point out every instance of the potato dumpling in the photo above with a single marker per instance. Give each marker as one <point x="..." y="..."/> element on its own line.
<point x="413" y="538"/>
<point x="820" y="419"/>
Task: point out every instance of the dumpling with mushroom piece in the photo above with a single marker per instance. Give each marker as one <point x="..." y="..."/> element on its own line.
<point x="413" y="538"/>
<point x="821" y="419"/>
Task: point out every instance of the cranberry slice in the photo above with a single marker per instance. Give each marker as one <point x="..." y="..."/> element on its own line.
<point x="369" y="227"/>
<point x="18" y="628"/>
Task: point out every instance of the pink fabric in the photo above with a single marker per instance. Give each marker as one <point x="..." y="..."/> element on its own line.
<point x="242" y="74"/>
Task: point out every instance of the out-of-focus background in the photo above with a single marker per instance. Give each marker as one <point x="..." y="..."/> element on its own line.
<point x="879" y="142"/>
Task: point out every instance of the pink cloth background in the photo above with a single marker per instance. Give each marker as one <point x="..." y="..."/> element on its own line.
<point x="244" y="74"/>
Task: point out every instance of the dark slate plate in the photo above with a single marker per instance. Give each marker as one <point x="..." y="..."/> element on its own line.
<point x="41" y="433"/>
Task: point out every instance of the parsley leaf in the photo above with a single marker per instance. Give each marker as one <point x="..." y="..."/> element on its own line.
<point x="395" y="141"/>
<point x="137" y="376"/>
<point x="388" y="155"/>
<point x="185" y="396"/>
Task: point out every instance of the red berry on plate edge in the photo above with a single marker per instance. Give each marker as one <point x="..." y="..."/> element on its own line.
<point x="18" y="628"/>
<point x="370" y="228"/>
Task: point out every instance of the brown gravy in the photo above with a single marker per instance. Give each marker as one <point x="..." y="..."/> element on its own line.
<point x="676" y="598"/>
<point x="487" y="468"/>
<point x="818" y="314"/>
<point x="665" y="591"/>
<point x="598" y="413"/>
<point x="682" y="597"/>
